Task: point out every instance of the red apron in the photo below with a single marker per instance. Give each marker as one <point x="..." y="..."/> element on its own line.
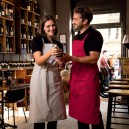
<point x="84" y="103"/>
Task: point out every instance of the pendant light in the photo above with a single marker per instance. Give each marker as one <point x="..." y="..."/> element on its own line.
<point x="125" y="41"/>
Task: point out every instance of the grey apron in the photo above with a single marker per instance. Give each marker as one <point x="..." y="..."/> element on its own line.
<point x="46" y="91"/>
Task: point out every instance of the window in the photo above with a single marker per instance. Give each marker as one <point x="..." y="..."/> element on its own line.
<point x="106" y="18"/>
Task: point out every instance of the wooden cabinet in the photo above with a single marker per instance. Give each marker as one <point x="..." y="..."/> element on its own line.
<point x="27" y="24"/>
<point x="7" y="26"/>
<point x="18" y="25"/>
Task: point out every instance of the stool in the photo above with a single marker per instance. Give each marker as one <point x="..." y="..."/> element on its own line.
<point x="114" y="93"/>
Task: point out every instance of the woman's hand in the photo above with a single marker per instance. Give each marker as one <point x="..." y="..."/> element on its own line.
<point x="56" y="51"/>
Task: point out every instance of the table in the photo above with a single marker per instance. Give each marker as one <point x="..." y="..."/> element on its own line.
<point x="119" y="82"/>
<point x="112" y="93"/>
<point x="11" y="87"/>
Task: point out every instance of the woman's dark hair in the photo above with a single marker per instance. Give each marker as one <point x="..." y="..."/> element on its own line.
<point x="85" y="12"/>
<point x="43" y="20"/>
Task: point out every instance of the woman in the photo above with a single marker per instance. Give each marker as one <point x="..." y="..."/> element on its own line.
<point x="46" y="91"/>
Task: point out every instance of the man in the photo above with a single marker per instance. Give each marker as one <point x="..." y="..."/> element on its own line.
<point x="104" y="63"/>
<point x="84" y="103"/>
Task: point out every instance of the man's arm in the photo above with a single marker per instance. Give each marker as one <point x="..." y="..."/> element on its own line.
<point x="90" y="59"/>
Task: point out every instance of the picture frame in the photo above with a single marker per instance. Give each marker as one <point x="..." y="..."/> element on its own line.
<point x="62" y="38"/>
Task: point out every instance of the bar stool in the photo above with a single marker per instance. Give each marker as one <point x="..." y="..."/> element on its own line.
<point x="114" y="93"/>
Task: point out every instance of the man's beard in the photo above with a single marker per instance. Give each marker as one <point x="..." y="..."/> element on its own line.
<point x="75" y="27"/>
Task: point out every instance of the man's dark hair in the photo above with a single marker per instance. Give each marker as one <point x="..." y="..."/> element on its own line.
<point x="85" y="12"/>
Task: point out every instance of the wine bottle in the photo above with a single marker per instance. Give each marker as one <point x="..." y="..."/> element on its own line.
<point x="2" y="9"/>
<point x="1" y="28"/>
<point x="28" y="5"/>
<point x="10" y="47"/>
<point x="22" y="17"/>
<point x="11" y="31"/>
<point x="6" y="10"/>
<point x="29" y="19"/>
<point x="7" y="45"/>
<point x="10" y="12"/>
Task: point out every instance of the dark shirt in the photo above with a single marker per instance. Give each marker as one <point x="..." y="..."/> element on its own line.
<point x="37" y="44"/>
<point x="93" y="41"/>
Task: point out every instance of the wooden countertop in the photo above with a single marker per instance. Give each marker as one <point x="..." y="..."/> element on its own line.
<point x="14" y="86"/>
<point x="118" y="92"/>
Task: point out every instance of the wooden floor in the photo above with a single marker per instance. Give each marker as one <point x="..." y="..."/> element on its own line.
<point x="69" y="123"/>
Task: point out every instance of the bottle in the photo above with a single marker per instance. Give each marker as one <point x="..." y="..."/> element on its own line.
<point x="6" y="10"/>
<point x="28" y="5"/>
<point x="11" y="31"/>
<point x="22" y="48"/>
<point x="29" y="19"/>
<point x="2" y="11"/>
<point x="25" y="48"/>
<point x="10" y="47"/>
<point x="7" y="45"/>
<point x="60" y="54"/>
<point x="36" y="9"/>
<point x="1" y="28"/>
<point x="31" y="34"/>
<point x="10" y="12"/>
<point x="22" y="18"/>
<point x="24" y="33"/>
<point x="7" y="28"/>
<point x="36" y="21"/>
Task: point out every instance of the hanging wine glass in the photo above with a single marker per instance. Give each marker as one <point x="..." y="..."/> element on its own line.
<point x="125" y="41"/>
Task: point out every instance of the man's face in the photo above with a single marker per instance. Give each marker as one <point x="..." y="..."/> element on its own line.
<point x="77" y="21"/>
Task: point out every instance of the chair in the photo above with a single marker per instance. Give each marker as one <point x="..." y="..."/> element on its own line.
<point x="13" y="97"/>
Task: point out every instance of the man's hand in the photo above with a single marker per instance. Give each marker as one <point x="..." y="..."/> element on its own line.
<point x="65" y="58"/>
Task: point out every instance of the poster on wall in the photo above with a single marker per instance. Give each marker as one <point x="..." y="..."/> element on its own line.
<point x="62" y="38"/>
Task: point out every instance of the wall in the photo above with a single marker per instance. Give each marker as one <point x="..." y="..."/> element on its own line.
<point x="127" y="19"/>
<point x="47" y="7"/>
<point x="63" y="10"/>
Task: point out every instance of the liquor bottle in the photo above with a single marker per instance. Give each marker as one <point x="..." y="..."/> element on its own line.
<point x="10" y="47"/>
<point x="1" y="28"/>
<point x="31" y="33"/>
<point x="36" y="21"/>
<point x="24" y="33"/>
<point x="22" y="18"/>
<point x="10" y="12"/>
<point x="22" y="48"/>
<point x="7" y="45"/>
<point x="7" y="29"/>
<point x="28" y="5"/>
<point x="6" y="10"/>
<point x="2" y="11"/>
<point x="29" y="19"/>
<point x="36" y="9"/>
<point x="11" y="31"/>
